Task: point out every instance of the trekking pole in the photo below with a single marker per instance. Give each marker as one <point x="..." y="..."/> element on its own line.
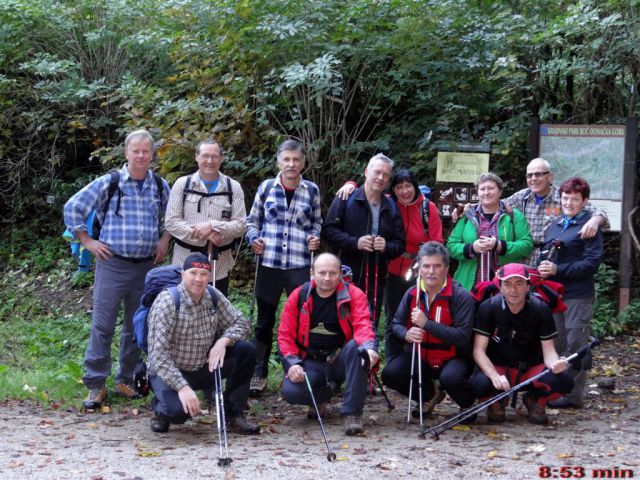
<point x="330" y="455"/>
<point x="223" y="460"/>
<point x="376" y="259"/>
<point x="413" y="363"/>
<point x="419" y="356"/>
<point x="366" y="364"/>
<point x="255" y="281"/>
<point x="213" y="260"/>
<point x="437" y="430"/>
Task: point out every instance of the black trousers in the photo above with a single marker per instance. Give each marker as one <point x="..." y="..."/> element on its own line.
<point x="237" y="370"/>
<point x="271" y="282"/>
<point x="453" y="377"/>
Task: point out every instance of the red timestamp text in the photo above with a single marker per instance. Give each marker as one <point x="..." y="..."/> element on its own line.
<point x="577" y="471"/>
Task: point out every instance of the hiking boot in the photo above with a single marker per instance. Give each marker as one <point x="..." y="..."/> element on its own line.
<point x="495" y="413"/>
<point x="158" y="424"/>
<point x="427" y="410"/>
<point x="353" y="425"/>
<point x="537" y="413"/>
<point x="257" y="386"/>
<point x="95" y="398"/>
<point x="127" y="391"/>
<point x="470" y="419"/>
<point x="562" y="402"/>
<point x="243" y="426"/>
<point x="311" y="411"/>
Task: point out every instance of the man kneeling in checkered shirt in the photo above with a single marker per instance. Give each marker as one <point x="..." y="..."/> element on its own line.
<point x="186" y="346"/>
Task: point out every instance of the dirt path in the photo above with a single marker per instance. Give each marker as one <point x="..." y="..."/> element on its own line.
<point x="598" y="440"/>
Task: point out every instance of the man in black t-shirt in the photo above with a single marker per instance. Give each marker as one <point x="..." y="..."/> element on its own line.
<point x="513" y="342"/>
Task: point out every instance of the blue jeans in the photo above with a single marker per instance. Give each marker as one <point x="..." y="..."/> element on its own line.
<point x="117" y="281"/>
<point x="346" y="368"/>
<point x="237" y="370"/>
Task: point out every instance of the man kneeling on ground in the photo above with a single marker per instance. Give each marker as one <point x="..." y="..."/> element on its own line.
<point x="441" y="322"/>
<point x="324" y="330"/>
<point x="514" y="334"/>
<point x="185" y="349"/>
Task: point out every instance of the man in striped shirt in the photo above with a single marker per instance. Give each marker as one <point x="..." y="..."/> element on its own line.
<point x="283" y="228"/>
<point x="129" y="243"/>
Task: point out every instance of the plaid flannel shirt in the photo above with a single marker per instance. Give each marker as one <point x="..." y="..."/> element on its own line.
<point x="541" y="216"/>
<point x="135" y="231"/>
<point x="283" y="229"/>
<point x="183" y="341"/>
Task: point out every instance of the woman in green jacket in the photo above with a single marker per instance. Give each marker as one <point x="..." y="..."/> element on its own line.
<point x="488" y="235"/>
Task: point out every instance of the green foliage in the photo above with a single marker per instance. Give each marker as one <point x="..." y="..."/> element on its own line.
<point x="607" y="321"/>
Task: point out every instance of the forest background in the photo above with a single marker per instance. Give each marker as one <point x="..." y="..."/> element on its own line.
<point x="349" y="79"/>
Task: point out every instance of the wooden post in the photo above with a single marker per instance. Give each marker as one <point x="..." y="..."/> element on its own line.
<point x="534" y="137"/>
<point x="628" y="199"/>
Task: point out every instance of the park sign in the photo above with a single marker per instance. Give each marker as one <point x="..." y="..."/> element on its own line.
<point x="593" y="152"/>
<point x="461" y="167"/>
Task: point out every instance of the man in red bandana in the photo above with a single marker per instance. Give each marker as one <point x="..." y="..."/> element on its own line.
<point x="186" y="345"/>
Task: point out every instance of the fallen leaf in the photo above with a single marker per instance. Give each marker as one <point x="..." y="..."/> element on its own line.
<point x="344" y="446"/>
<point x="492" y="454"/>
<point x="565" y="455"/>
<point x="148" y="453"/>
<point x="461" y="428"/>
<point x="92" y="426"/>
<point x="537" y="448"/>
<point x="341" y="459"/>
<point x="105" y="409"/>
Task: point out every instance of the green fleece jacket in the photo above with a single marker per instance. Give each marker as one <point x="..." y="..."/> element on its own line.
<point x="466" y="232"/>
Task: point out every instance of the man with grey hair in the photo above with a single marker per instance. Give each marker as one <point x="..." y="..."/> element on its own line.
<point x="283" y="228"/>
<point x="129" y="205"/>
<point x="366" y="230"/>
<point x="206" y="212"/>
<point x="439" y="318"/>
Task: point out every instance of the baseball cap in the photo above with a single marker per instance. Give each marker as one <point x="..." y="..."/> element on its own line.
<point x="196" y="260"/>
<point x="513" y="270"/>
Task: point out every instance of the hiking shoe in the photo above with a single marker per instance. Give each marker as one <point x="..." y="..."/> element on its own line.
<point x="257" y="386"/>
<point x="95" y="398"/>
<point x="427" y="410"/>
<point x="353" y="425"/>
<point x="537" y="413"/>
<point x="496" y="413"/>
<point x="562" y="402"/>
<point x="470" y="419"/>
<point x="311" y="411"/>
<point x="127" y="391"/>
<point x="243" y="426"/>
<point x="158" y="424"/>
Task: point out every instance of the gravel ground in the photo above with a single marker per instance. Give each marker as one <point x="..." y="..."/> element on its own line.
<point x="599" y="440"/>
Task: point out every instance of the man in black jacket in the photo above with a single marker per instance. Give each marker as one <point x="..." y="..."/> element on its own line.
<point x="367" y="231"/>
<point x="441" y="321"/>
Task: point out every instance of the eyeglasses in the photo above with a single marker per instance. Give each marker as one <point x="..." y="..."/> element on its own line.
<point x="536" y="174"/>
<point x="209" y="157"/>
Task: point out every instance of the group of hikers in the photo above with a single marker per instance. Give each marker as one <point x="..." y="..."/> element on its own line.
<point x="443" y="334"/>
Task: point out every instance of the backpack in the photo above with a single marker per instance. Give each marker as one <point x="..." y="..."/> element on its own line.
<point x="425" y="215"/>
<point x="186" y="191"/>
<point x="158" y="279"/>
<point x="113" y="186"/>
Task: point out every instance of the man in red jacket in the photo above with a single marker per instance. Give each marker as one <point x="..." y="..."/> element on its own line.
<point x="324" y="329"/>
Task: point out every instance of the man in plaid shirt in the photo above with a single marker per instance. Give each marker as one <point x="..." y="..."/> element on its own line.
<point x="540" y="203"/>
<point x="130" y="242"/>
<point x="283" y="227"/>
<point x="187" y="345"/>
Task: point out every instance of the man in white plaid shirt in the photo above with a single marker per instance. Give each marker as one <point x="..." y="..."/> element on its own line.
<point x="283" y="228"/>
<point x="540" y="203"/>
<point x="186" y="345"/>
